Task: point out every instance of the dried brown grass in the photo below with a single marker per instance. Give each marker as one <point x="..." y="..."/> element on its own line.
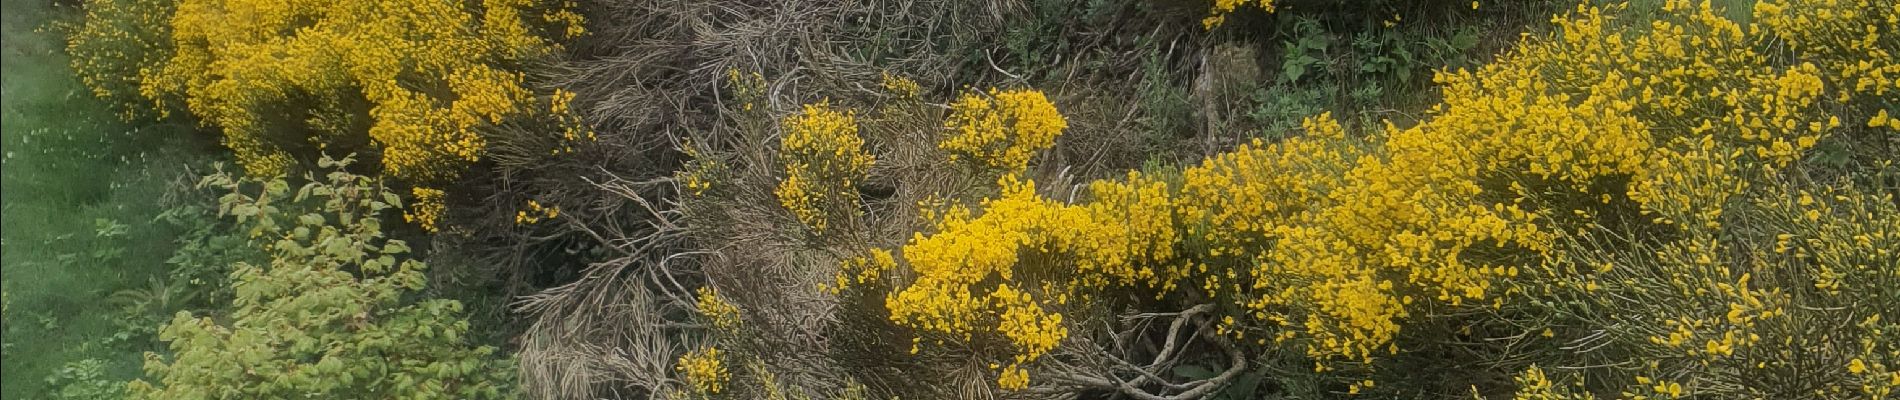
<point x="651" y="80"/>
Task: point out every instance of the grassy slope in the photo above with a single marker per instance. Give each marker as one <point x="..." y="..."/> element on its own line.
<point x="68" y="164"/>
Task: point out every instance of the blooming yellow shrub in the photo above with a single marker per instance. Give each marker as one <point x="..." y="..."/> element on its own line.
<point x="1853" y="41"/>
<point x="956" y="292"/>
<point x="1002" y="130"/>
<point x="824" y="159"/>
<point x="1128" y="236"/>
<point x="1331" y="243"/>
<point x="418" y="80"/>
<point x="236" y="58"/>
<point x="1737" y="278"/>
<point x="700" y="172"/>
<point x="1722" y="312"/>
<point x="115" y="45"/>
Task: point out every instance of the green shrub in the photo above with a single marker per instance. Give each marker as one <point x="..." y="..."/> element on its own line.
<point x="330" y="316"/>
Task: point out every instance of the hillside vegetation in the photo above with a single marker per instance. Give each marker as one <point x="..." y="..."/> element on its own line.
<point x="1061" y="199"/>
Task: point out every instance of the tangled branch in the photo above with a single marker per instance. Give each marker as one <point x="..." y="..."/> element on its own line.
<point x="1111" y="372"/>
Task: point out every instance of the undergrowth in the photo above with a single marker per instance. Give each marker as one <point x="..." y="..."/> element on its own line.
<point x="729" y="199"/>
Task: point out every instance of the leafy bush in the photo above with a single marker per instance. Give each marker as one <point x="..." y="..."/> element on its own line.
<point x="330" y="315"/>
<point x="84" y="380"/>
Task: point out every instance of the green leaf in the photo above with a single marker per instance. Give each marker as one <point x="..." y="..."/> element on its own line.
<point x="1293" y="70"/>
<point x="395" y="247"/>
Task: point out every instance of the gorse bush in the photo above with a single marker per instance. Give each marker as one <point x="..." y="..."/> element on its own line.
<point x="1787" y="309"/>
<point x="1001" y="130"/>
<point x="115" y="47"/>
<point x="1628" y="203"/>
<point x="1333" y="245"/>
<point x="416" y="81"/>
<point x="331" y="315"/>
<point x="824" y="160"/>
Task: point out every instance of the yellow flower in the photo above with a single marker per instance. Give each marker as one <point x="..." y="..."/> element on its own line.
<point x="426" y="209"/>
<point x="704" y="370"/>
<point x="722" y="313"/>
<point x="1334" y="242"/>
<point x="430" y="73"/>
<point x="1221" y="8"/>
<point x="1002" y="130"/>
<point x="903" y="88"/>
<point x="824" y="158"/>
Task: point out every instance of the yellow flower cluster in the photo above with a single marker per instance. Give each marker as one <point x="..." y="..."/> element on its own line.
<point x="116" y="43"/>
<point x="966" y="274"/>
<point x="1532" y="384"/>
<point x="425" y="77"/>
<point x="1727" y="107"/>
<point x="724" y="315"/>
<point x="573" y="130"/>
<point x="572" y="23"/>
<point x="1132" y="233"/>
<point x="748" y="88"/>
<point x="1720" y="334"/>
<point x="900" y="86"/>
<point x="704" y="370"/>
<point x="426" y="209"/>
<point x="1849" y="241"/>
<point x="1726" y="308"/>
<point x="1881" y="119"/>
<point x="824" y="159"/>
<point x="1218" y="14"/>
<point x="1853" y="41"/>
<point x="862" y="270"/>
<point x="235" y="58"/>
<point x="1344" y="256"/>
<point x="1876" y="380"/>
<point x="1647" y="388"/>
<point x="1331" y="242"/>
<point x="1033" y="331"/>
<point x="1002" y="130"/>
<point x="964" y="252"/>
<point x="536" y="213"/>
<point x="700" y="172"/>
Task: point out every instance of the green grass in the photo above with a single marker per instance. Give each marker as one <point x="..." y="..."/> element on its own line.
<point x="72" y="172"/>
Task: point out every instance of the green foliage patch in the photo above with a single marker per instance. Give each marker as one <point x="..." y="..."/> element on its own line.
<point x="329" y="315"/>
